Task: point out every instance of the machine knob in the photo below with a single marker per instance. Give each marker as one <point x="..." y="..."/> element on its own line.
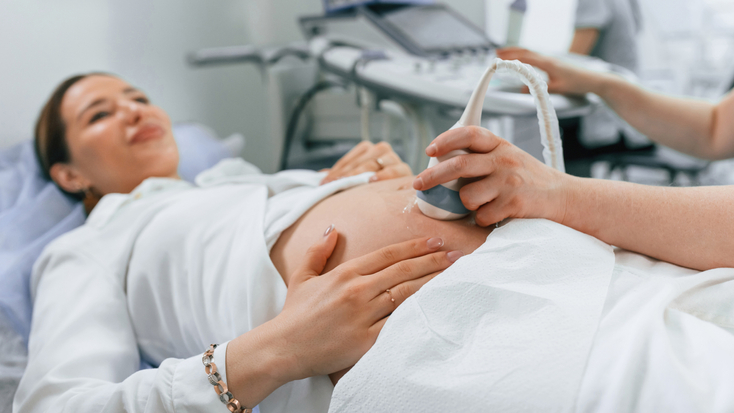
<point x="418" y="66"/>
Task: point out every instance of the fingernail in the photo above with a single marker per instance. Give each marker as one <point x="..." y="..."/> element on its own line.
<point x="328" y="230"/>
<point x="454" y="255"/>
<point x="435" y="243"/>
<point x="373" y="178"/>
<point x="431" y="149"/>
<point x="418" y="183"/>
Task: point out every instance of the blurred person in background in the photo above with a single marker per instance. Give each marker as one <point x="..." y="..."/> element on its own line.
<point x="608" y="30"/>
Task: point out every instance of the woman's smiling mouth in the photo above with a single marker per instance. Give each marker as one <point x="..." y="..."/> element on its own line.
<point x="146" y="133"/>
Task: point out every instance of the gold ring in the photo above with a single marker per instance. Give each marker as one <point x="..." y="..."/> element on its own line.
<point x="391" y="297"/>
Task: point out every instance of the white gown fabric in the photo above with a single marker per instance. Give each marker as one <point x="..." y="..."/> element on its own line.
<point x="544" y="318"/>
<point x="505" y="329"/>
<point x="163" y="272"/>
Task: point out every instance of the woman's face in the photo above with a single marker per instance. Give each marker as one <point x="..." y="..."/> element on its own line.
<point x="116" y="138"/>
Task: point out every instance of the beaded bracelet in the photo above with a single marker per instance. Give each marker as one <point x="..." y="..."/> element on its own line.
<point x="225" y="396"/>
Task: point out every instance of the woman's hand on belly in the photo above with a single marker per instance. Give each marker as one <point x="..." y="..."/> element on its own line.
<point x="329" y="321"/>
<point x="368" y="157"/>
<point x="344" y="310"/>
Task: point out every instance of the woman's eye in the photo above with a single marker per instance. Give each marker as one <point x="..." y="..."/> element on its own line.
<point x="143" y="100"/>
<point x="99" y="115"/>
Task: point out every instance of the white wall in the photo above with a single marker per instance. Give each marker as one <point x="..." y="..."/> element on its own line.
<point x="35" y="39"/>
<point x="687" y="46"/>
<point x="547" y="27"/>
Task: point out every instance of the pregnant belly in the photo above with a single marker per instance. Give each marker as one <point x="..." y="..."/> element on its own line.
<point x="370" y="217"/>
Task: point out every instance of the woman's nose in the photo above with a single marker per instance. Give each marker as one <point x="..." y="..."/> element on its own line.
<point x="132" y="110"/>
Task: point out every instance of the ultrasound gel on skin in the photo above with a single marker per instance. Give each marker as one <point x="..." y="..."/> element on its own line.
<point x="443" y="202"/>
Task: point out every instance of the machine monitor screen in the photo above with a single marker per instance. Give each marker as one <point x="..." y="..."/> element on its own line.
<point x="436" y="29"/>
<point x="337" y="5"/>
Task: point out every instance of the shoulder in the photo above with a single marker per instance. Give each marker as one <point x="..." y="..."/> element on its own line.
<point x="593" y="13"/>
<point x="69" y="255"/>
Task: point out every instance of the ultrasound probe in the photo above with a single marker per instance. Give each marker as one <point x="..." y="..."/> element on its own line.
<point x="442" y="202"/>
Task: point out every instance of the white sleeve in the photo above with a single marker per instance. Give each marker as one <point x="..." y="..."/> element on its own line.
<point x="83" y="355"/>
<point x="593" y="13"/>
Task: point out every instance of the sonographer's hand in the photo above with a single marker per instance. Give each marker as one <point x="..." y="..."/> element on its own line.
<point x="368" y="157"/>
<point x="563" y="78"/>
<point x="505" y="181"/>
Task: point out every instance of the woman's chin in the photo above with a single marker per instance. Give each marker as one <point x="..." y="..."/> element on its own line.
<point x="159" y="162"/>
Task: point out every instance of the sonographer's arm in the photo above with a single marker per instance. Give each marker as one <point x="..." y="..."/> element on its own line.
<point x="584" y="40"/>
<point x="691" y="227"/>
<point x="693" y="126"/>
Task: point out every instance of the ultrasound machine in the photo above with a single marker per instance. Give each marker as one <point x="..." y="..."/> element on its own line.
<point x="400" y="71"/>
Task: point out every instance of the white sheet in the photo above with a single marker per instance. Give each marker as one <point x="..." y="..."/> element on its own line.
<point x="543" y="318"/>
<point x="506" y="328"/>
<point x="665" y="341"/>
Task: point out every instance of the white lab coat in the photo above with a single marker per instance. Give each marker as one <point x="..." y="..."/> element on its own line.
<point x="163" y="272"/>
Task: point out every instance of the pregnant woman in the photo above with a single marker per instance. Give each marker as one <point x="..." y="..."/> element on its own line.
<point x="293" y="279"/>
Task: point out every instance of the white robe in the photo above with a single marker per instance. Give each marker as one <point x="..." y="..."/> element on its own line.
<point x="163" y="272"/>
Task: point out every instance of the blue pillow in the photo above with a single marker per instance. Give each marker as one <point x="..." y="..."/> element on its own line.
<point x="33" y="212"/>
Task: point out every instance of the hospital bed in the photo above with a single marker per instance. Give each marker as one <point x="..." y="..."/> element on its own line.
<point x="33" y="212"/>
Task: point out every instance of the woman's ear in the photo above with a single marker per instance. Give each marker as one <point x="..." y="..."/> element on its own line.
<point x="69" y="178"/>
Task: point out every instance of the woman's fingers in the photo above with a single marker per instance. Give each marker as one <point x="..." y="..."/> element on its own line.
<point x="338" y="170"/>
<point x="332" y="320"/>
<point x="387" y="256"/>
<point x="365" y="157"/>
<point x="373" y="161"/>
<point x="353" y="154"/>
<point x="368" y="160"/>
<point x="387" y="301"/>
<point x="315" y="259"/>
<point x="392" y="172"/>
<point x="412" y="269"/>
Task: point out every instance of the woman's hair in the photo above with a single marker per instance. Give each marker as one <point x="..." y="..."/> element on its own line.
<point x="50" y="134"/>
